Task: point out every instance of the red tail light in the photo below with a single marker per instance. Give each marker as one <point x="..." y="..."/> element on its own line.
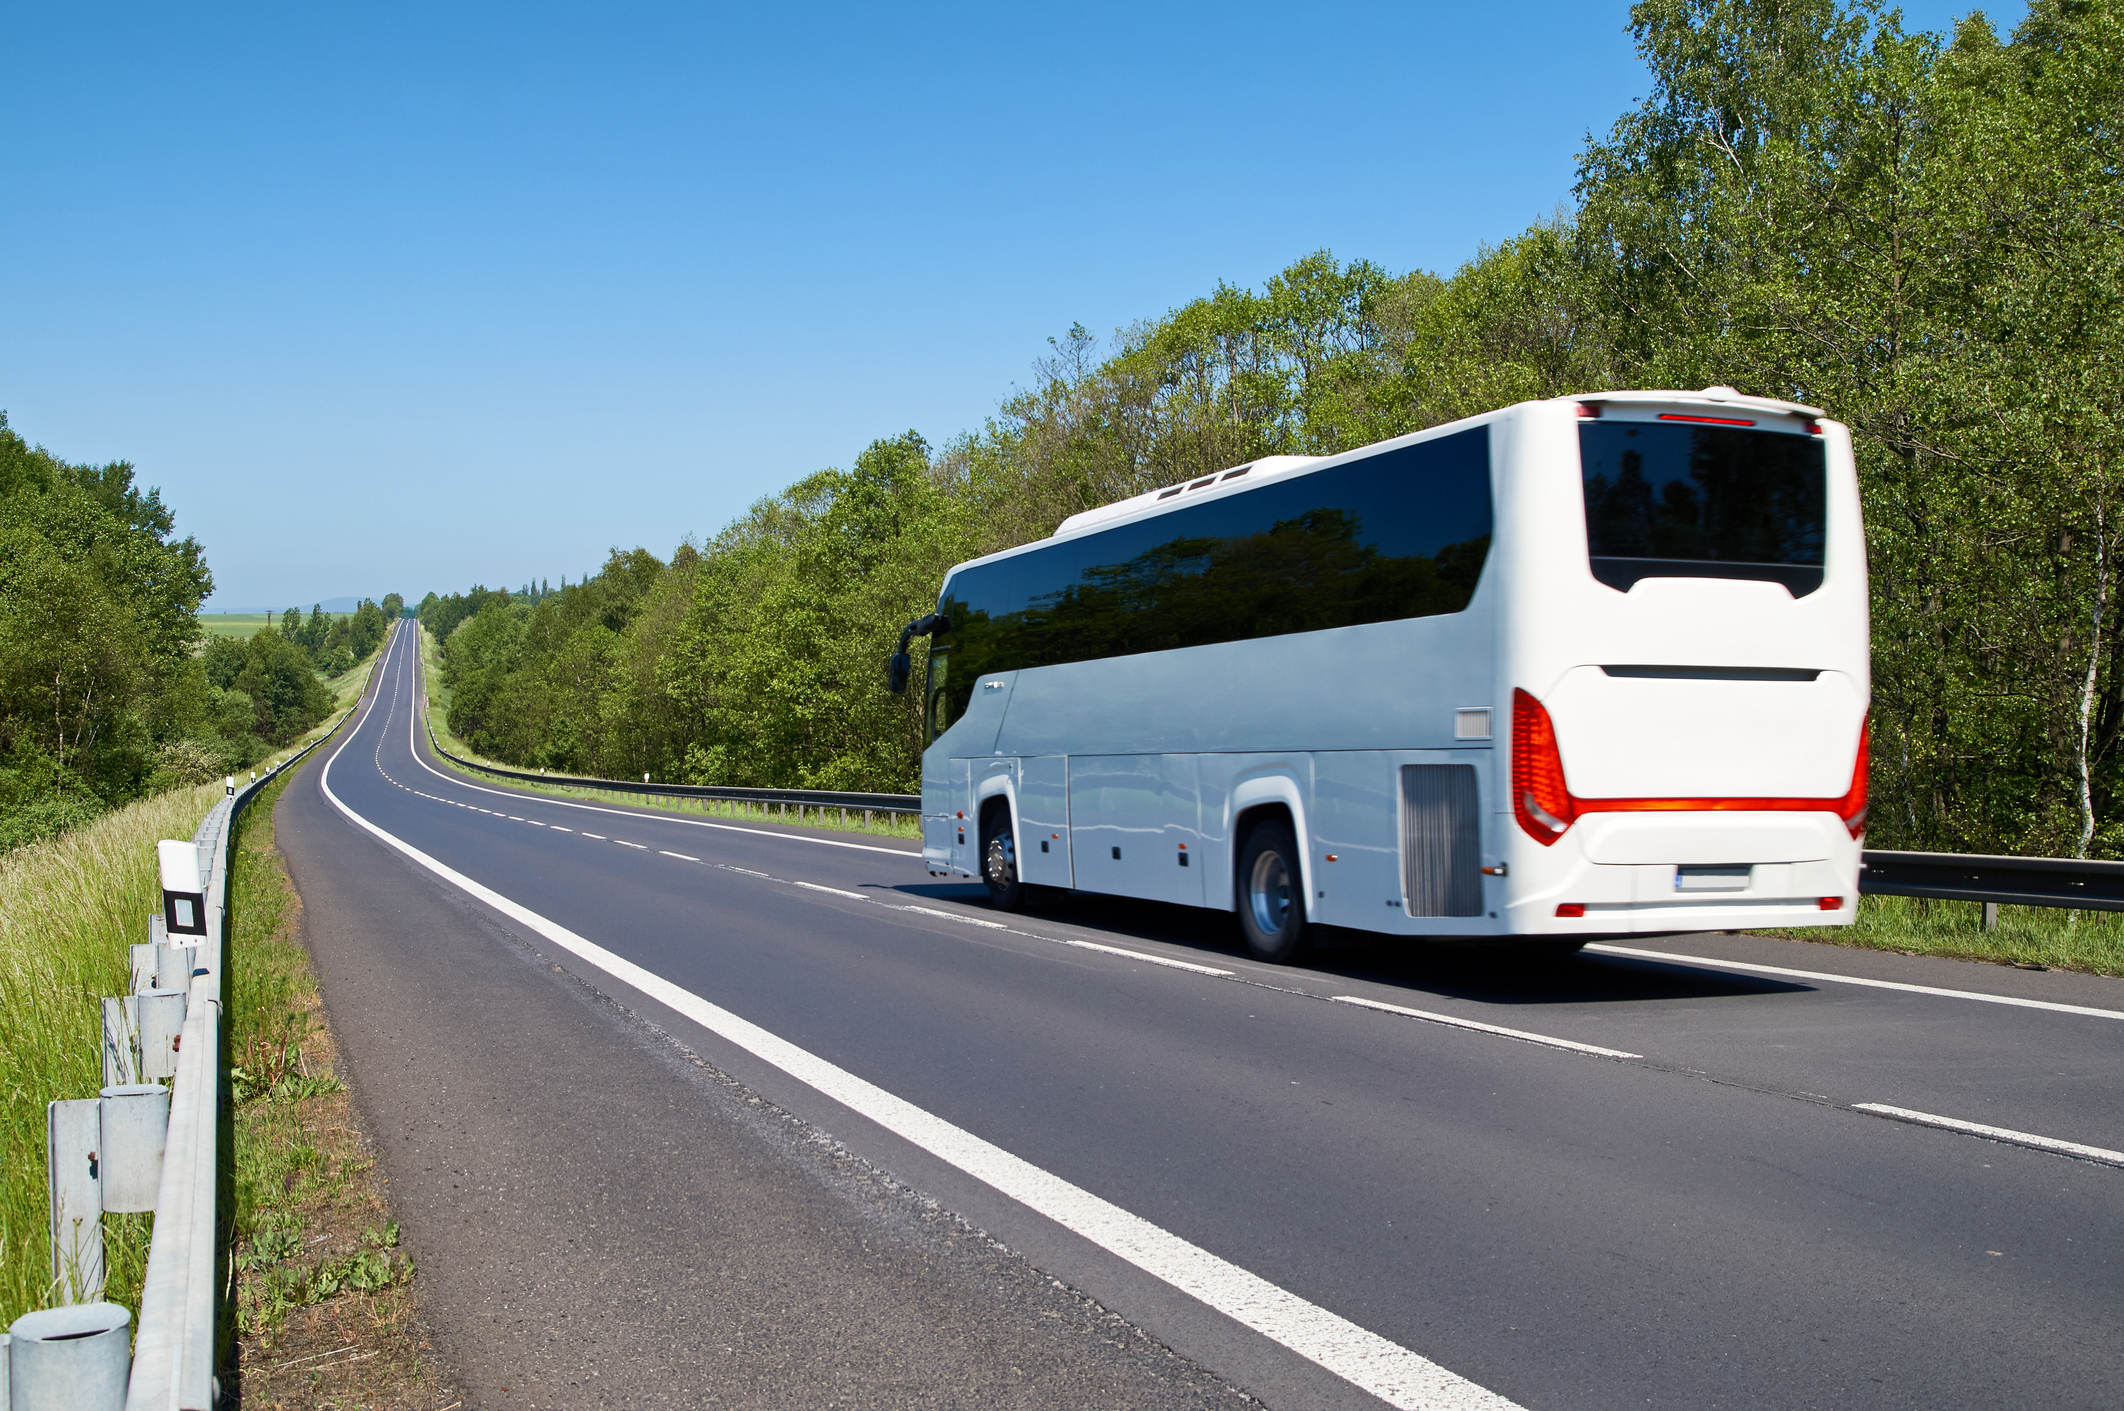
<point x="1571" y="909"/>
<point x="1852" y="807"/>
<point x="1545" y="806"/>
<point x="1831" y="903"/>
<point x="1540" y="799"/>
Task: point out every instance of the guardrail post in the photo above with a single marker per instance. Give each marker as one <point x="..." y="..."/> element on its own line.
<point x="74" y="1137"/>
<point x="1991" y="916"/>
<point x="173" y="967"/>
<point x="121" y="1041"/>
<point x="161" y="1030"/>
<point x="136" y="1124"/>
<point x="69" y="1359"/>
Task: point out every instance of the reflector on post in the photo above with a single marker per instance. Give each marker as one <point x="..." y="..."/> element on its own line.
<point x="183" y="888"/>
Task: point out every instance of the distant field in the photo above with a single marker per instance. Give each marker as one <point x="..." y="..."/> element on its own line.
<point x="243" y="624"/>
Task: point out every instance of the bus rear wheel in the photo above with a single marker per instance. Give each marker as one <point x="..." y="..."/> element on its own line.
<point x="1272" y="894"/>
<point x="999" y="862"/>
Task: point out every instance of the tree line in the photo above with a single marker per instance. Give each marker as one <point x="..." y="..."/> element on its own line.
<point x="1919" y="233"/>
<point x="105" y="692"/>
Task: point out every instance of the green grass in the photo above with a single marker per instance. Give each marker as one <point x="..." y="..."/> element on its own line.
<point x="303" y="1176"/>
<point x="2090" y="941"/>
<point x="69" y="907"/>
<point x="245" y="624"/>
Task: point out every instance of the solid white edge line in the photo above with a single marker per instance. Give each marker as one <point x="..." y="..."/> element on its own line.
<point x="1359" y="1356"/>
<point x="1454" y="1022"/>
<point x="2002" y="1134"/>
<point x="1979" y="995"/>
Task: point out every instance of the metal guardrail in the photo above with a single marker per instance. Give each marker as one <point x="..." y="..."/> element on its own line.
<point x="2013" y="881"/>
<point x="141" y="1147"/>
<point x="178" y="1346"/>
<point x="790" y="798"/>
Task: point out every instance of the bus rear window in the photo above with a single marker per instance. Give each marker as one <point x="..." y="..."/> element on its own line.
<point x="1669" y="501"/>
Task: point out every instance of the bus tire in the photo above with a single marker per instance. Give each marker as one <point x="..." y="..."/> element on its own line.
<point x="999" y="862"/>
<point x="1271" y="893"/>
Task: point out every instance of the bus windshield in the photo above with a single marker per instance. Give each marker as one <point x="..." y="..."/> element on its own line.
<point x="1678" y="501"/>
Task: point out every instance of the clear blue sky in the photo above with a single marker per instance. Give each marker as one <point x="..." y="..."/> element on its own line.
<point x="399" y="298"/>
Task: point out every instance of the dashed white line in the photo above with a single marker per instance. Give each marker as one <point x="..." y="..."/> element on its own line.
<point x="1457" y="1023"/>
<point x="679" y="855"/>
<point x="599" y="836"/>
<point x="1139" y="955"/>
<point x="558" y="829"/>
<point x="625" y="844"/>
<point x="1997" y="1134"/>
<point x="950" y="916"/>
<point x="832" y="891"/>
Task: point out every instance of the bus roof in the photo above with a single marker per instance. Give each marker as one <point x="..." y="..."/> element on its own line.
<point x="1267" y="468"/>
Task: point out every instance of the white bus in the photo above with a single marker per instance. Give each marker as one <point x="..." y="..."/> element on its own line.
<point x="1587" y="667"/>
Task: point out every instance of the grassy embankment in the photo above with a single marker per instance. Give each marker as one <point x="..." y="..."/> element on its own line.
<point x="69" y="908"/>
<point x="883" y="825"/>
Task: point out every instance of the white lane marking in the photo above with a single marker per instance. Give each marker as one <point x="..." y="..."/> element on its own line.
<point x="536" y="824"/>
<point x="1753" y="969"/>
<point x="1139" y="955"/>
<point x="514" y="819"/>
<point x="1001" y="926"/>
<point x="625" y="844"/>
<point x="679" y="855"/>
<point x="558" y="829"/>
<point x="746" y="870"/>
<point x="1386" y="1369"/>
<point x="949" y="916"/>
<point x="599" y="836"/>
<point x="2000" y="1134"/>
<point x="1522" y="1035"/>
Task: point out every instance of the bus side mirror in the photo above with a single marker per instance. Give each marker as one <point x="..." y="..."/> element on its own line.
<point x="899" y="668"/>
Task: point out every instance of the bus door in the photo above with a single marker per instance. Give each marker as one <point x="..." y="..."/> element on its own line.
<point x="1043" y="820"/>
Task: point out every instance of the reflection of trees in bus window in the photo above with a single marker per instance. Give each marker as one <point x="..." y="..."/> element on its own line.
<point x="1400" y="534"/>
<point x="1703" y="494"/>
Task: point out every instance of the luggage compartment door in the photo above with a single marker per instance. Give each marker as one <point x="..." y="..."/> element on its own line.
<point x="1135" y="830"/>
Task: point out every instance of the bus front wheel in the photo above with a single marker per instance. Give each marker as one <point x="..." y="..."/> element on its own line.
<point x="1272" y="893"/>
<point x="999" y="862"/>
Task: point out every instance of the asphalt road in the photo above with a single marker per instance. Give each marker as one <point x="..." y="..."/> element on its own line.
<point x="621" y="1193"/>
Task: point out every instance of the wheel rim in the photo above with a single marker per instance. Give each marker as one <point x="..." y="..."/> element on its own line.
<point x="1268" y="893"/>
<point x="1002" y="860"/>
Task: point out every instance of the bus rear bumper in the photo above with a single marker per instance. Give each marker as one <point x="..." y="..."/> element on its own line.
<point x="1597" y="898"/>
